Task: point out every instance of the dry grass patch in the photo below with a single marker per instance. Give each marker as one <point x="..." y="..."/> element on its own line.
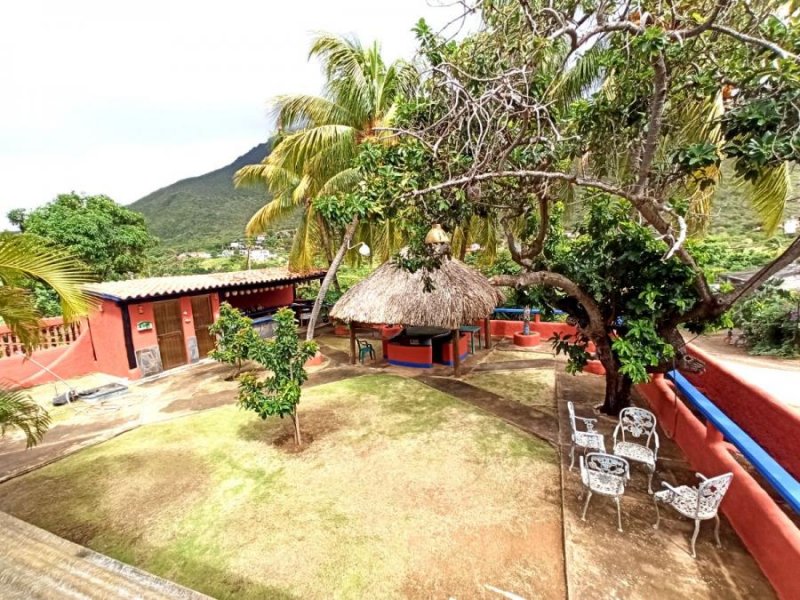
<point x="403" y="491"/>
<point x="540" y="351"/>
<point x="532" y="387"/>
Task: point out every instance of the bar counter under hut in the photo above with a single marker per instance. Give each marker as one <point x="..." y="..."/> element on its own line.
<point x="422" y="347"/>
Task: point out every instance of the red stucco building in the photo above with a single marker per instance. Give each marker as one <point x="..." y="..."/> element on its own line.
<point x="141" y="327"/>
<point x="145" y="326"/>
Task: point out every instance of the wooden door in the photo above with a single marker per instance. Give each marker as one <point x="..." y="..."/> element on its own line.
<point x="203" y="319"/>
<point x="169" y="329"/>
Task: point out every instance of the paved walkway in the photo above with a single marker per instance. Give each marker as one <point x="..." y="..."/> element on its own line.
<point x="35" y="564"/>
<point x="777" y="376"/>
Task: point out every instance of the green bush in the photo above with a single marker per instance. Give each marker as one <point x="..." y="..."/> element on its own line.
<point x="770" y="320"/>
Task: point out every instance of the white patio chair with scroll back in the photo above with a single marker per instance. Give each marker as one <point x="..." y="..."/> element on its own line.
<point x="606" y="475"/>
<point x="588" y="440"/>
<point x="635" y="424"/>
<point x="700" y="503"/>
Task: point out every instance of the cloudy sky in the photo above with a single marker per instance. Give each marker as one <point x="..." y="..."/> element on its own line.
<point x="124" y="98"/>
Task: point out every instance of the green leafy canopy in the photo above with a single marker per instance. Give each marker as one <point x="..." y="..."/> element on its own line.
<point x="284" y="356"/>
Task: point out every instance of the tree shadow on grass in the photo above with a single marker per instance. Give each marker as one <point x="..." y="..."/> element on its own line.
<point x="314" y="425"/>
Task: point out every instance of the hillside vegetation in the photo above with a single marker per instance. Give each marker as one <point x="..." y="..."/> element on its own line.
<point x="733" y="215"/>
<point x="735" y="239"/>
<point x="205" y="212"/>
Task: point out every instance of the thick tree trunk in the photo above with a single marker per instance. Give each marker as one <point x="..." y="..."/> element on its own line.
<point x="296" y="422"/>
<point x="618" y="392"/>
<point x="329" y="277"/>
<point x="618" y="385"/>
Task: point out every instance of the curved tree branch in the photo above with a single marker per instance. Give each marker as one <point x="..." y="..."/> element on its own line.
<point x="596" y="328"/>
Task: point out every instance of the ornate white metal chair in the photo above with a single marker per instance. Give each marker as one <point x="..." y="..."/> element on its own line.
<point x="606" y="475"/>
<point x="637" y="423"/>
<point x="588" y="440"/>
<point x="700" y="503"/>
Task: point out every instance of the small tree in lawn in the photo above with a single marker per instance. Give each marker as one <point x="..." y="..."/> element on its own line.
<point x="284" y="356"/>
<point x="235" y="337"/>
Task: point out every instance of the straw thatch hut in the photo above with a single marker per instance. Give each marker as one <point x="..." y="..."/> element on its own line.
<point x="391" y="295"/>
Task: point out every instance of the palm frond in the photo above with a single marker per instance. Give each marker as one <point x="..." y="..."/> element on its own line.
<point x="18" y="312"/>
<point x="484" y="231"/>
<point x="278" y="180"/>
<point x="769" y="195"/>
<point x="331" y="145"/>
<point x="585" y="75"/>
<point x="341" y="182"/>
<point x="347" y="65"/>
<point x="29" y="256"/>
<point x="269" y="214"/>
<point x="19" y="411"/>
<point x="306" y="244"/>
<point x="309" y="111"/>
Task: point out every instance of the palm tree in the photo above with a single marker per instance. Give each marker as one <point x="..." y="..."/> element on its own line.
<point x="24" y="258"/>
<point x="315" y="157"/>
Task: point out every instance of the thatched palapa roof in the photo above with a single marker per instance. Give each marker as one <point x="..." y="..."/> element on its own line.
<point x="390" y="294"/>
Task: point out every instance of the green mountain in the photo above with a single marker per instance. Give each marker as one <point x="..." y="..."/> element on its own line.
<point x="205" y="212"/>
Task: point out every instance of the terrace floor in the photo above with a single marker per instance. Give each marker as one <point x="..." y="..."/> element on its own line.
<point x="528" y="390"/>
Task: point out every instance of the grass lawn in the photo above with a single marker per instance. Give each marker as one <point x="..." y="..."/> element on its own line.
<point x="402" y="491"/>
<point x="532" y="387"/>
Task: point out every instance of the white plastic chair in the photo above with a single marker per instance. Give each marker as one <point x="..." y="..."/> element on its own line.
<point x="700" y="503"/>
<point x="606" y="475"/>
<point x="637" y="423"/>
<point x="588" y="440"/>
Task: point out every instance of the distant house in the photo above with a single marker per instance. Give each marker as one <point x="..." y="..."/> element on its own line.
<point x="145" y="326"/>
<point x="261" y="255"/>
<point x="184" y="255"/>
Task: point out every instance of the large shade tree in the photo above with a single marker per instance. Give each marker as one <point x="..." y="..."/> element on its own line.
<point x="315" y="155"/>
<point x="25" y="258"/>
<point x="627" y="112"/>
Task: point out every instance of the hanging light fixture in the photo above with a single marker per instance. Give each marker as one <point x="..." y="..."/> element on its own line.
<point x="437" y="235"/>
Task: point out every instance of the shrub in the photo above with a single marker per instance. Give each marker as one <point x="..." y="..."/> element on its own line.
<point x="236" y="337"/>
<point x="770" y="320"/>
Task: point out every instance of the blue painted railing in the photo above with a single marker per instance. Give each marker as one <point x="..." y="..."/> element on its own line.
<point x="778" y="477"/>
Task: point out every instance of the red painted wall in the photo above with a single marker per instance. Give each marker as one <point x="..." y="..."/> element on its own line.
<point x="417" y="355"/>
<point x="505" y="328"/>
<point x="65" y="361"/>
<point x="463" y="349"/>
<point x="138" y="313"/>
<point x="109" y="340"/>
<point x="188" y="324"/>
<point x="215" y="305"/>
<point x="767" y="532"/>
<point x="771" y="423"/>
